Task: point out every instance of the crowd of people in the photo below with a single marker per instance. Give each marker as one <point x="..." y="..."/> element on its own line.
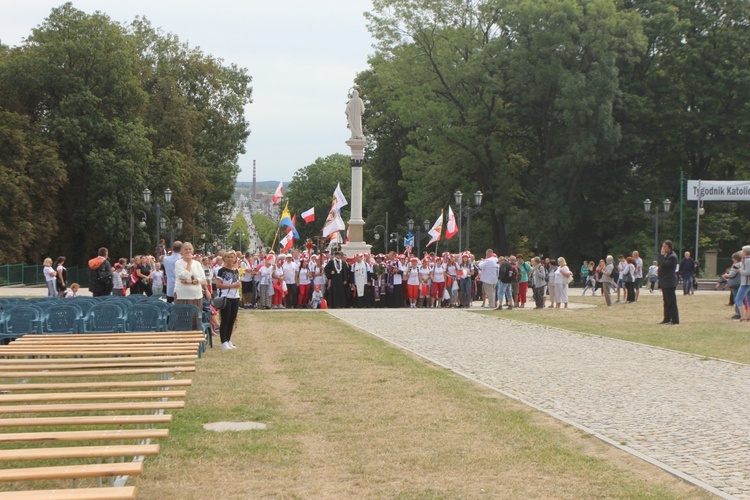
<point x="299" y="279"/>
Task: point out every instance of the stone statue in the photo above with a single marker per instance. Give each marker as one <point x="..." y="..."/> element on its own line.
<point x="354" y="110"/>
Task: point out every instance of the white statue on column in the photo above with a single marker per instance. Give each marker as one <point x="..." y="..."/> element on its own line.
<point x="355" y="108"/>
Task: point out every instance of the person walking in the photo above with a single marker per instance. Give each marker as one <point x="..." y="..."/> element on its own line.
<point x="668" y="283"/>
<point x="687" y="269"/>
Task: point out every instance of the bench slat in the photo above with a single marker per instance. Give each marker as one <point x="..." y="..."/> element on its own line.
<point x="152" y="418"/>
<point x="80" y="452"/>
<point x="115" y="493"/>
<point x="115" y="351"/>
<point x="35" y="361"/>
<point x="57" y="436"/>
<point x="62" y="386"/>
<point x="115" y="363"/>
<point x="98" y="373"/>
<point x="156" y="405"/>
<point x="72" y="471"/>
<point x="67" y="396"/>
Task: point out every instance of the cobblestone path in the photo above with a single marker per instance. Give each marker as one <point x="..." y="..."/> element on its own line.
<point x="685" y="413"/>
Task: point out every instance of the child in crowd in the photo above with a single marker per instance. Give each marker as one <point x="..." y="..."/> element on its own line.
<point x="72" y="291"/>
<point x="157" y="279"/>
<point x="317" y="298"/>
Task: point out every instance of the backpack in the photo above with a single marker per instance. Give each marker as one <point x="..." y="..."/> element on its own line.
<point x="615" y="276"/>
<point x="103" y="277"/>
<point x="512" y="274"/>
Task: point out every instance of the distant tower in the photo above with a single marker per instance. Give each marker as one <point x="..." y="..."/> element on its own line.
<point x="254" y="184"/>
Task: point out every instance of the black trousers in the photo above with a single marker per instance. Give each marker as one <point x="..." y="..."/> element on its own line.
<point x="228" y="317"/>
<point x="292" y="295"/>
<point x="670" y="305"/>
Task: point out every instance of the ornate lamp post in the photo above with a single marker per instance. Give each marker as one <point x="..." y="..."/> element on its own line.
<point x="377" y="236"/>
<point x="426" y="224"/>
<point x="656" y="216"/>
<point x="157" y="208"/>
<point x="458" y="196"/>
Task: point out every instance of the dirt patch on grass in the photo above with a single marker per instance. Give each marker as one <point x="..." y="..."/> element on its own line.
<point x="350" y="416"/>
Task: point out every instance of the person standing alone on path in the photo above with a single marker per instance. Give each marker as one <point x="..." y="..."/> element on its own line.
<point x="668" y="283"/>
<point x="687" y="266"/>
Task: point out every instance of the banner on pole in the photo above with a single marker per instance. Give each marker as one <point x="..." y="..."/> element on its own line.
<point x="718" y="190"/>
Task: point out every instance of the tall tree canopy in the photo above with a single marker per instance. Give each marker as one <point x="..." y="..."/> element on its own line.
<point x="124" y="108"/>
<point x="565" y="113"/>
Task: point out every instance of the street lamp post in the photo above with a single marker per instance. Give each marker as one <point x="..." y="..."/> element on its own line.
<point x="377" y="236"/>
<point x="656" y="216"/>
<point x="395" y="239"/>
<point x="157" y="209"/>
<point x="426" y="224"/>
<point x="458" y="196"/>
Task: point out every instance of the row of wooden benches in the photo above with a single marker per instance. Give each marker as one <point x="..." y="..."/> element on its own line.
<point x="122" y="382"/>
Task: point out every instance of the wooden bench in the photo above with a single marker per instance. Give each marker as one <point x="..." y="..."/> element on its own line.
<point x="69" y="396"/>
<point x="132" y="406"/>
<point x="135" y="450"/>
<point x="106" y="435"/>
<point x="96" y="373"/>
<point x="114" y="363"/>
<point x="35" y="361"/>
<point x="62" y="386"/>
<point x="120" y="420"/>
<point x="104" y="351"/>
<point x="72" y="471"/>
<point x="116" y="493"/>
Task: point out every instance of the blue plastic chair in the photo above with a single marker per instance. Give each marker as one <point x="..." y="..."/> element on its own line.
<point x="63" y="318"/>
<point x="183" y="318"/>
<point x="104" y="317"/>
<point x="19" y="321"/>
<point x="143" y="317"/>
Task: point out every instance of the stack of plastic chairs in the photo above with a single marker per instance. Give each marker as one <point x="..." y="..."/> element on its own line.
<point x="145" y="317"/>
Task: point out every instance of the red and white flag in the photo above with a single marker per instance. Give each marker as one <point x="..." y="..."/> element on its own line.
<point x="309" y="215"/>
<point x="437" y="228"/>
<point x="279" y="194"/>
<point x="451" y="229"/>
<point x="287" y="241"/>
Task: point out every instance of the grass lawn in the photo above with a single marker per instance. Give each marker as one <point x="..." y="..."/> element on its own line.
<point x="352" y="417"/>
<point x="705" y="328"/>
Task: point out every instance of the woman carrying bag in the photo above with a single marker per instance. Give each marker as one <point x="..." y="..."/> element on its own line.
<point x="228" y="284"/>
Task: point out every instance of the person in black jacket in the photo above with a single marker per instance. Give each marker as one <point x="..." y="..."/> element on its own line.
<point x="100" y="274"/>
<point x="668" y="283"/>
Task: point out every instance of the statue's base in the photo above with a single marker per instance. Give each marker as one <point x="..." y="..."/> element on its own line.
<point x="352" y="248"/>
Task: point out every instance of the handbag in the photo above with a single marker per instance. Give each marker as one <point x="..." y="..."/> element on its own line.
<point x="219" y="302"/>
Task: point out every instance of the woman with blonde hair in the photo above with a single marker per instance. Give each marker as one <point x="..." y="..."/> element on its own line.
<point x="562" y="277"/>
<point x="50" y="277"/>
<point x="190" y="280"/>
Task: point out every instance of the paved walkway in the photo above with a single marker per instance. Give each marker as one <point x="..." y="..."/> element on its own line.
<point x="688" y="415"/>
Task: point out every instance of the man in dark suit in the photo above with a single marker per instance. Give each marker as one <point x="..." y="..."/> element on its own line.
<point x="668" y="283"/>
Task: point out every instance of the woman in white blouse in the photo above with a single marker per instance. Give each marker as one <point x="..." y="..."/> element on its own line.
<point x="190" y="281"/>
<point x="563" y="274"/>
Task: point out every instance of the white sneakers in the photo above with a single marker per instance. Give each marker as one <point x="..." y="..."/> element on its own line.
<point x="227" y="346"/>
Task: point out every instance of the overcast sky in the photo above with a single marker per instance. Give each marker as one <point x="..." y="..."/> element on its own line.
<point x="303" y="56"/>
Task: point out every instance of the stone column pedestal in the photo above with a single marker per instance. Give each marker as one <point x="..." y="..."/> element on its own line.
<point x="356" y="242"/>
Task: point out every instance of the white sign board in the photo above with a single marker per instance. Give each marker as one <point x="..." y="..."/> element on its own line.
<point x="718" y="190"/>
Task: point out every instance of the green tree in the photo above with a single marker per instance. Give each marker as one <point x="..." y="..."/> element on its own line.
<point x="30" y="177"/>
<point x="238" y="237"/>
<point x="266" y="228"/>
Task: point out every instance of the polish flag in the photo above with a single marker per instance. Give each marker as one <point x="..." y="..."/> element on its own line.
<point x="309" y="216"/>
<point x="452" y="229"/>
<point x="287" y="241"/>
<point x="279" y="194"/>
